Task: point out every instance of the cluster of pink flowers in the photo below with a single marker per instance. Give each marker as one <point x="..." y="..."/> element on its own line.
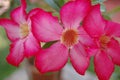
<point x="80" y="33"/>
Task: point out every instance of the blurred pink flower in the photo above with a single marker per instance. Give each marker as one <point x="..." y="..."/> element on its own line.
<point x="108" y="49"/>
<point x="18" y="29"/>
<point x="71" y="39"/>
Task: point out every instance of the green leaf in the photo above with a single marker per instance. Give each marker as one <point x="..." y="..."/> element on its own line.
<point x="98" y="1"/>
<point x="91" y="66"/>
<point x="56" y="4"/>
<point x="116" y="74"/>
<point x="114" y="11"/>
<point x="106" y="16"/>
<point x="48" y="44"/>
<point x="53" y="4"/>
<point x="59" y="2"/>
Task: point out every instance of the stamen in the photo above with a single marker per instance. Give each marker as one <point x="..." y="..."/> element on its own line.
<point x="104" y="40"/>
<point x="24" y="30"/>
<point x="69" y="37"/>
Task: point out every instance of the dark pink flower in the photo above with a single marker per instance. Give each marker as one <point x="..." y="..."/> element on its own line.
<point x="18" y="29"/>
<point x="71" y="39"/>
<point x="104" y="33"/>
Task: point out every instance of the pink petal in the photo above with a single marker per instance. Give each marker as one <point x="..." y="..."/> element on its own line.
<point x="11" y="28"/>
<point x="94" y="23"/>
<point x="16" y="55"/>
<point x="112" y="29"/>
<point x="79" y="59"/>
<point x="84" y="38"/>
<point x="73" y="12"/>
<point x="103" y="66"/>
<point x="30" y="14"/>
<point x="33" y="12"/>
<point x="92" y="51"/>
<point x="23" y="4"/>
<point x="19" y="15"/>
<point x="46" y="27"/>
<point x="52" y="59"/>
<point x="114" y="51"/>
<point x="31" y="45"/>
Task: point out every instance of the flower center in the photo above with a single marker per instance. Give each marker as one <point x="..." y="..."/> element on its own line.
<point x="69" y="37"/>
<point x="24" y="30"/>
<point x="104" y="40"/>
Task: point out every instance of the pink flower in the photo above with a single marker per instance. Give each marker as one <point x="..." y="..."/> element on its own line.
<point x="18" y="29"/>
<point x="70" y="37"/>
<point x="108" y="49"/>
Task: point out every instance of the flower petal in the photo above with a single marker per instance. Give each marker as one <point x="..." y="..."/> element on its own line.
<point x="23" y="4"/>
<point x="16" y="55"/>
<point x="112" y="29"/>
<point x="33" y="12"/>
<point x="73" y="12"/>
<point x="31" y="46"/>
<point x="18" y="14"/>
<point x="79" y="59"/>
<point x="94" y="23"/>
<point x="30" y="14"/>
<point x="84" y="38"/>
<point x="52" y="59"/>
<point x="11" y="28"/>
<point x="103" y="66"/>
<point x="46" y="27"/>
<point x="114" y="51"/>
<point x="92" y="51"/>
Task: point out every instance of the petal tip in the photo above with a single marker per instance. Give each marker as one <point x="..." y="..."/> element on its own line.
<point x="11" y="62"/>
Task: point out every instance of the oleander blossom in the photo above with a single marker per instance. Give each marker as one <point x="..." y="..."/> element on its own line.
<point x="71" y="39"/>
<point x="104" y="33"/>
<point x="18" y="29"/>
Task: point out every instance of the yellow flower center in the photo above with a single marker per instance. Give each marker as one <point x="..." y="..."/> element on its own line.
<point x="104" y="40"/>
<point x="24" y="30"/>
<point x="69" y="37"/>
